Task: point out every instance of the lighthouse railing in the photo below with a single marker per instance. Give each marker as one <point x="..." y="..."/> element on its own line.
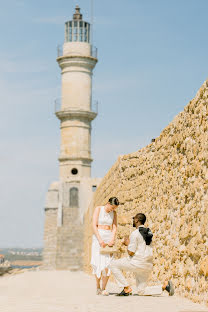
<point x="94" y="106"/>
<point x="93" y="51"/>
<point x="58" y="106"/>
<point x="59" y="50"/>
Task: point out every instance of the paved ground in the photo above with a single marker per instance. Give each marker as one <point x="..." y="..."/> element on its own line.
<point x="64" y="291"/>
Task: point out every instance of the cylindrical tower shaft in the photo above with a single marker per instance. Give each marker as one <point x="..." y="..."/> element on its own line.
<point x="76" y="113"/>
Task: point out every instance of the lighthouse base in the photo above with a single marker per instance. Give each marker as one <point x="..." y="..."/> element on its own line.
<point x="66" y="203"/>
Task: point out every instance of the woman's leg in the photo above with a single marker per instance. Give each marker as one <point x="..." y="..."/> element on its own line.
<point x="105" y="279"/>
<point x="97" y="282"/>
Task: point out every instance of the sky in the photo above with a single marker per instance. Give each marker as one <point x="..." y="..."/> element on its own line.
<point x="152" y="60"/>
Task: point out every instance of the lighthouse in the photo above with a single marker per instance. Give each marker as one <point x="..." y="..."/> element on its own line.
<point x="68" y="199"/>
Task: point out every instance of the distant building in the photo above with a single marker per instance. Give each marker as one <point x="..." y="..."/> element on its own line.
<point x="2" y="259"/>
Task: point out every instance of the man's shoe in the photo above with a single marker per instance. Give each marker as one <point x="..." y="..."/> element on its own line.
<point x="170" y="288"/>
<point x="123" y="293"/>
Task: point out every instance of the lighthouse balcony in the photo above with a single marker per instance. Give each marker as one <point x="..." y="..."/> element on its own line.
<point x="76" y="51"/>
<point x="63" y="112"/>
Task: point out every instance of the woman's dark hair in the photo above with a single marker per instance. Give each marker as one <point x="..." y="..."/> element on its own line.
<point x="113" y="201"/>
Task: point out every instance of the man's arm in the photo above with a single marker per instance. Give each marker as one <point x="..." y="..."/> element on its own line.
<point x="127" y="242"/>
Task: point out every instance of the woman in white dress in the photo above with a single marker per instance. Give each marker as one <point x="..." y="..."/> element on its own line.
<point x="104" y="228"/>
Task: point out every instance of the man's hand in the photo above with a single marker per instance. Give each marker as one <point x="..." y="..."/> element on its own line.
<point x="126" y="240"/>
<point x="102" y="244"/>
<point x="131" y="253"/>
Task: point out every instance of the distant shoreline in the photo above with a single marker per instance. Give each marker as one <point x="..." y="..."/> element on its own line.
<point x="26" y="263"/>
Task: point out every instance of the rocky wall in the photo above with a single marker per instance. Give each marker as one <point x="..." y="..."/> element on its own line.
<point x="168" y="181"/>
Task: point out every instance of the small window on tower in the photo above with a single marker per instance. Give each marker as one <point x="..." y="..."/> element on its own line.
<point x="74" y="197"/>
<point x="85" y="32"/>
<point x="67" y="32"/>
<point x="94" y="188"/>
<point x="70" y="34"/>
<point x="75" y="32"/>
<point x="80" y="34"/>
<point x="74" y="171"/>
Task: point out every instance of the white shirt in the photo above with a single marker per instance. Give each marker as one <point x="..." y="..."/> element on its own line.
<point x="142" y="252"/>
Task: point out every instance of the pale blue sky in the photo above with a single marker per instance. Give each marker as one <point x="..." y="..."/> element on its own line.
<point x="152" y="60"/>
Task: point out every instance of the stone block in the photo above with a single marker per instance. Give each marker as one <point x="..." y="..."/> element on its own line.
<point x="204" y="266"/>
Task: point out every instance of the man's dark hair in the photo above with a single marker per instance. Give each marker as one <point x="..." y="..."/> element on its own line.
<point x="141" y="218"/>
<point x="113" y="201"/>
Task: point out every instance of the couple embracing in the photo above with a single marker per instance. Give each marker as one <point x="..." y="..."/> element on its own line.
<point x="139" y="248"/>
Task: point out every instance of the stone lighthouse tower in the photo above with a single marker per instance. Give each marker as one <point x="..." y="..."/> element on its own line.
<point x="68" y="199"/>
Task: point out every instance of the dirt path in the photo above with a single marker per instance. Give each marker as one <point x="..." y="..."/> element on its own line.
<point x="64" y="291"/>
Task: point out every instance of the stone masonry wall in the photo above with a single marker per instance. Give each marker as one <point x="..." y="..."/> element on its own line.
<point x="168" y="181"/>
<point x="50" y="239"/>
<point x="63" y="246"/>
<point x="69" y="250"/>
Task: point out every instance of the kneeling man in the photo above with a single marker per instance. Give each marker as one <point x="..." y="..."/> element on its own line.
<point x="140" y="262"/>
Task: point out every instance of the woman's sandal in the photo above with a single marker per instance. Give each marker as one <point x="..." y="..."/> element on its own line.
<point x="105" y="293"/>
<point x="99" y="291"/>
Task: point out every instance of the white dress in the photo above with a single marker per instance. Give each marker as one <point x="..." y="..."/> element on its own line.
<point x="100" y="262"/>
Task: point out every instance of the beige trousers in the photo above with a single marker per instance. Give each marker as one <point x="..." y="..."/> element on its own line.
<point x="141" y="275"/>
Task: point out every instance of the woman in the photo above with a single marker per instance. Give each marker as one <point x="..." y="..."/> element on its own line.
<point x="104" y="228"/>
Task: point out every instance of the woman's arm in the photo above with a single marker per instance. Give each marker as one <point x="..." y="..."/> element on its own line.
<point x="95" y="224"/>
<point x="114" y="229"/>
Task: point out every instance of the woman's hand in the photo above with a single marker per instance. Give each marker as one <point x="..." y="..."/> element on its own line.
<point x="102" y="244"/>
<point x="111" y="243"/>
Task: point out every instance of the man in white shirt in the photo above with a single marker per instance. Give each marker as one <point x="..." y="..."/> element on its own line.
<point x="139" y="261"/>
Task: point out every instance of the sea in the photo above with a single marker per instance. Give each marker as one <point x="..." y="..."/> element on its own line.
<point x="24" y="266"/>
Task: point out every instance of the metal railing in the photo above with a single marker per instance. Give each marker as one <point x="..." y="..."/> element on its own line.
<point x="59" y="50"/>
<point x="93" y="51"/>
<point x="58" y="106"/>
